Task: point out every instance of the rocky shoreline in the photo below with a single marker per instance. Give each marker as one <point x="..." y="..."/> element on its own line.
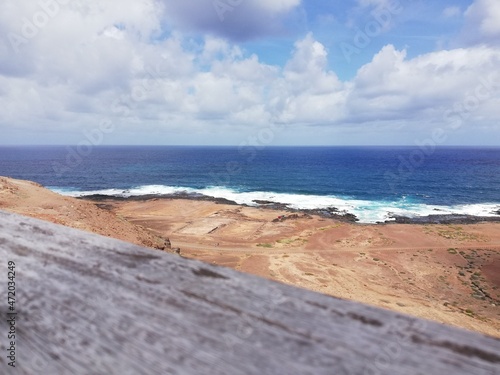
<point x="329" y="212"/>
<point x="459" y="263"/>
<point x="443" y="219"/>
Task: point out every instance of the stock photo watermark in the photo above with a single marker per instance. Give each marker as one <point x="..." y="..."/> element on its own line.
<point x="223" y="6"/>
<point x="453" y="119"/>
<point x="88" y="309"/>
<point x="31" y="26"/>
<point x="248" y="149"/>
<point x="92" y="138"/>
<point x="11" y="314"/>
<point x="246" y="325"/>
<point x="391" y="351"/>
<point x="380" y="21"/>
<point x="75" y="155"/>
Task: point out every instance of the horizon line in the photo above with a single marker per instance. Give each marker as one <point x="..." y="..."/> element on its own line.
<point x="234" y="145"/>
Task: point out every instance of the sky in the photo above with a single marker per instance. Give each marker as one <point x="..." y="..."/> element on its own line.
<point x="250" y="72"/>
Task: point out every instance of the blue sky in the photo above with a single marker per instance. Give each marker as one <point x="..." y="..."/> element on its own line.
<point x="232" y="72"/>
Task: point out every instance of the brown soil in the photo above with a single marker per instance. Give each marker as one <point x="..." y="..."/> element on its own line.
<point x="424" y="270"/>
<point x="446" y="273"/>
<point x="31" y="199"/>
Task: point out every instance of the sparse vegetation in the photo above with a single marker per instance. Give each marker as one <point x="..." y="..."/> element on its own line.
<point x="470" y="313"/>
<point x="266" y="245"/>
<point x="454" y="232"/>
<point x="290" y="241"/>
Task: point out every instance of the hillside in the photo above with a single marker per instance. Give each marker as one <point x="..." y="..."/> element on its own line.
<point x="31" y="199"/>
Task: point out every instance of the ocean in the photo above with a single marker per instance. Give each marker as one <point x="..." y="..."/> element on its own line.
<point x="372" y="183"/>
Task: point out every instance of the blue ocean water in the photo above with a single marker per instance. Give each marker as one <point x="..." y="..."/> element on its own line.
<point x="370" y="182"/>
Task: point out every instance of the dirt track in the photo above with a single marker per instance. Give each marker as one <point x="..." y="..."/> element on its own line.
<point x="431" y="271"/>
<point x="447" y="273"/>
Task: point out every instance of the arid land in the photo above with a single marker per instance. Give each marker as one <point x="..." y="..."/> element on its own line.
<point x="447" y="273"/>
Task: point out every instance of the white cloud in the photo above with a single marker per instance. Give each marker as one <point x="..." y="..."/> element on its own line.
<point x="487" y="15"/>
<point x="482" y="23"/>
<point x="95" y="61"/>
<point x="422" y="88"/>
<point x="307" y="92"/>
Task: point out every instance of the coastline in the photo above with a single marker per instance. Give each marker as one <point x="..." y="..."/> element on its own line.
<point x="329" y="212"/>
<point x="444" y="272"/>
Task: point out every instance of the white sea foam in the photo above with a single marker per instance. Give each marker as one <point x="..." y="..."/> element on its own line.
<point x="366" y="211"/>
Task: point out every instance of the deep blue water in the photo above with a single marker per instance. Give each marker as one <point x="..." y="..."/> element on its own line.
<point x="367" y="181"/>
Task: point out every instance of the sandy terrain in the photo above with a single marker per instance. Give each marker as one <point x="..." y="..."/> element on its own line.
<point x="31" y="199"/>
<point x="446" y="273"/>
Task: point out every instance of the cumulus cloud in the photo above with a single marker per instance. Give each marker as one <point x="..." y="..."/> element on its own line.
<point x="70" y="57"/>
<point x="391" y="88"/>
<point x="91" y="63"/>
<point x="307" y="92"/>
<point x="424" y="88"/>
<point x="482" y="23"/>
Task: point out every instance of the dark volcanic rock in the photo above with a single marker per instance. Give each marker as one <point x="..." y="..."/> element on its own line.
<point x="442" y="219"/>
<point x="271" y="205"/>
<point x="100" y="197"/>
<point x="259" y="201"/>
<point x="333" y="213"/>
<point x="329" y="212"/>
<point x="292" y="217"/>
<point x="190" y="196"/>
